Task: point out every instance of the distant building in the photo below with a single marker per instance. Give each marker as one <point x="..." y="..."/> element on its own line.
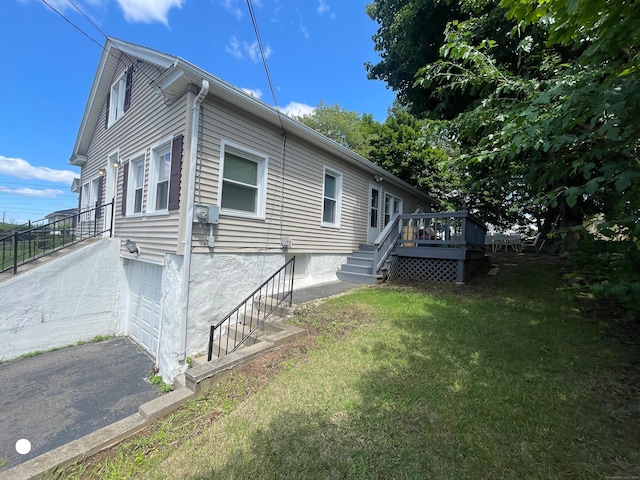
<point x="70" y="215"/>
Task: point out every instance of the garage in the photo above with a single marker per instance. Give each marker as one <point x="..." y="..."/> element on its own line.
<point x="145" y="304"/>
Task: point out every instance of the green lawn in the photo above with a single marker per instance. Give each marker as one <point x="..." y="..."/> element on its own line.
<point x="501" y="379"/>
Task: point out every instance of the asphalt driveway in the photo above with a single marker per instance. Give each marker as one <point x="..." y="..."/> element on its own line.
<point x="57" y="397"/>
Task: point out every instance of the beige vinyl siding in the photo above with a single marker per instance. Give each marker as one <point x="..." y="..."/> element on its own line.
<point x="299" y="214"/>
<point x="147" y="121"/>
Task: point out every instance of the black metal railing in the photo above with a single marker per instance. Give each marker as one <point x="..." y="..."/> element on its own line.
<point x="232" y="331"/>
<point x="23" y="246"/>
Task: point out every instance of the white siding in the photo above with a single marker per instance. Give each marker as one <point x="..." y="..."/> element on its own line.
<point x="148" y="120"/>
<point x="297" y="214"/>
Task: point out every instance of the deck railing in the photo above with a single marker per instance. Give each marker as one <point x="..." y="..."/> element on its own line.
<point x="23" y="246"/>
<point x="252" y="312"/>
<point x="444" y="229"/>
<point x="451" y="229"/>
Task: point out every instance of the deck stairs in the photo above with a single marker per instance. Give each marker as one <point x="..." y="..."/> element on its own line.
<point x="359" y="267"/>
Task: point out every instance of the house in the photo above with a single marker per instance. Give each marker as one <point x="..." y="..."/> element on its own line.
<point x="215" y="190"/>
<point x="63" y="218"/>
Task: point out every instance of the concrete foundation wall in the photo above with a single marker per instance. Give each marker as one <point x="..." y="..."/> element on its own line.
<point x="220" y="282"/>
<point x="68" y="299"/>
<point x="170" y="360"/>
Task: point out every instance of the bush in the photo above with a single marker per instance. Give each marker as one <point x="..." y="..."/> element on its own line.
<point x="612" y="268"/>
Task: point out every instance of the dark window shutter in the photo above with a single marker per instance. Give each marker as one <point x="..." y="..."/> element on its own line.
<point x="80" y="199"/>
<point x="99" y="197"/>
<point x="176" y="168"/>
<point x="127" y="91"/>
<point x="125" y="178"/>
<point x="106" y="117"/>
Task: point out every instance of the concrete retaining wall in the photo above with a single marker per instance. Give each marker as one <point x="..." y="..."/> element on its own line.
<point x="68" y="299"/>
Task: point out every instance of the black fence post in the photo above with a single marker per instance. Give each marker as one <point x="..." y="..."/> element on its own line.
<point x="15" y="253"/>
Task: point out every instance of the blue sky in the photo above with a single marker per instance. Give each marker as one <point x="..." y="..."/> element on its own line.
<point x="316" y="52"/>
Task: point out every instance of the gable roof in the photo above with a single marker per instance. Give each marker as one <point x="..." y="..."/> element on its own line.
<point x="177" y="77"/>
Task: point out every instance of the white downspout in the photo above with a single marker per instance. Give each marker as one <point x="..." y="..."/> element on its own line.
<point x="188" y="231"/>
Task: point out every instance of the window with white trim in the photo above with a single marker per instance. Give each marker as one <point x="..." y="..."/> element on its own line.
<point x="392" y="206"/>
<point x="135" y="188"/>
<point x="332" y="198"/>
<point x="243" y="183"/>
<point x="116" y="98"/>
<point x="159" y="173"/>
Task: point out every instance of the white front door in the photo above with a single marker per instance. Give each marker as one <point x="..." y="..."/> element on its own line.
<point x="375" y="202"/>
<point x="145" y="300"/>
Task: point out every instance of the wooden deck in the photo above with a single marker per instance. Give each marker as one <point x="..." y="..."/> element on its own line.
<point x="423" y="246"/>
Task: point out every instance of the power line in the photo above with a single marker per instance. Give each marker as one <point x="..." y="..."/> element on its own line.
<point x="71" y="23"/>
<point x="124" y="58"/>
<point x="264" y="62"/>
<point x="88" y="19"/>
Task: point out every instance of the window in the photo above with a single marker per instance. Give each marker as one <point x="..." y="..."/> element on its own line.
<point x="159" y="178"/>
<point x="332" y="193"/>
<point x="119" y="97"/>
<point x="136" y="185"/>
<point x="243" y="183"/>
<point x="392" y="206"/>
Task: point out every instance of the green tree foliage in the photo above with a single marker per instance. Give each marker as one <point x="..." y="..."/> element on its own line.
<point x="418" y="152"/>
<point x="555" y="132"/>
<point x="349" y="129"/>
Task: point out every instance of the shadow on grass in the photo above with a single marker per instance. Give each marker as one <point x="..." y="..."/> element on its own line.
<point x="486" y="386"/>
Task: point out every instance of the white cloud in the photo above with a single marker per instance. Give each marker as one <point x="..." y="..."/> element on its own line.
<point x="297" y="109"/>
<point x="323" y="7"/>
<point x="253" y="92"/>
<point x="32" y="192"/>
<point x="232" y="7"/>
<point x="148" y="11"/>
<point x="304" y="31"/>
<point x="242" y="50"/>
<point x="19" y="168"/>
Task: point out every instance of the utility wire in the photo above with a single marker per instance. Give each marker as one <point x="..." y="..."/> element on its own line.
<point x="88" y="18"/>
<point x="124" y="58"/>
<point x="275" y="102"/>
<point x="264" y="62"/>
<point x="71" y="23"/>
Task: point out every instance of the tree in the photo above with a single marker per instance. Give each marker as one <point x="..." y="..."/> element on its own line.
<point x="567" y="138"/>
<point x="347" y="128"/>
<point x="418" y="152"/>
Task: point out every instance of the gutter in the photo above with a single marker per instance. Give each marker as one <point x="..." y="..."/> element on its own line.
<point x="188" y="231"/>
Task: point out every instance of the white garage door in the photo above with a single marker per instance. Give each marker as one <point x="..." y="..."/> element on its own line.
<point x="145" y="283"/>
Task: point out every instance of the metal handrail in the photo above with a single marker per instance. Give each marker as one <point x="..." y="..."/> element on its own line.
<point x="252" y="312"/>
<point x="26" y="246"/>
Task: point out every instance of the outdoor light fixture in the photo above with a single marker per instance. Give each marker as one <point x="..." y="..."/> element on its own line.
<point x="377" y="177"/>
<point x="116" y="163"/>
<point x="132" y="247"/>
<point x="102" y="172"/>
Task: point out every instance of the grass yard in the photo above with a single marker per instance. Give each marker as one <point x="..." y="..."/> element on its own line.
<point x="504" y="378"/>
